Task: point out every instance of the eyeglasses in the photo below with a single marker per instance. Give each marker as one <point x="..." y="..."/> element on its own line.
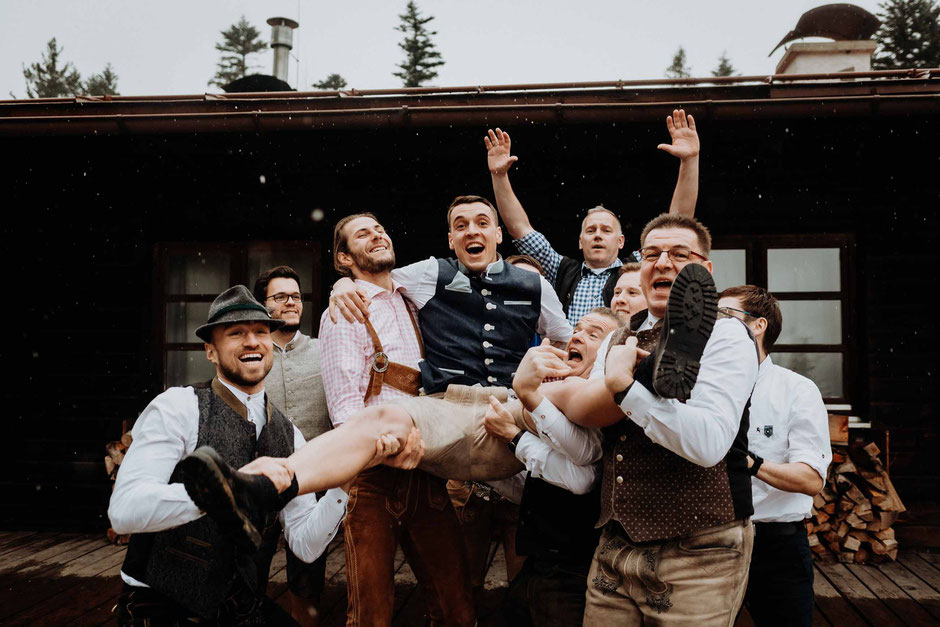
<point x="728" y="312"/>
<point x="679" y="254"/>
<point x="280" y="298"/>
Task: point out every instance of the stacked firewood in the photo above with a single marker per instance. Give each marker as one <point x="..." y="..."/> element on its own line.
<point x="114" y="455"/>
<point x="853" y="514"/>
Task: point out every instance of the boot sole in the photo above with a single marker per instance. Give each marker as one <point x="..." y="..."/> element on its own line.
<point x="206" y="478"/>
<point x="690" y="318"/>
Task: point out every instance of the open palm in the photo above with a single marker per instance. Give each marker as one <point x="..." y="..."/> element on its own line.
<point x="498" y="157"/>
<point x="685" y="143"/>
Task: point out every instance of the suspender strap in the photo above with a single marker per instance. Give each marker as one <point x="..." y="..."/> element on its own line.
<point x="387" y="372"/>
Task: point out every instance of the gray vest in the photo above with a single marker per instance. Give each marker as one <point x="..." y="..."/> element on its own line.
<point x="295" y="386"/>
<point x="477" y="328"/>
<point x="195" y="564"/>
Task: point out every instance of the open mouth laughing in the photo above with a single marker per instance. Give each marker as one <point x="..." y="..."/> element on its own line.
<point x="249" y="358"/>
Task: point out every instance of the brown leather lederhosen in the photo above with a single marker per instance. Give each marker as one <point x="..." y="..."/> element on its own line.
<point x="388" y="372"/>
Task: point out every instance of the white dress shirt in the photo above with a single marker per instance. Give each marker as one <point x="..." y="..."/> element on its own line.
<point x="167" y="431"/>
<point x="789" y="424"/>
<point x="702" y="429"/>
<point x="563" y="454"/>
<point x="419" y="281"/>
<point x="597" y="370"/>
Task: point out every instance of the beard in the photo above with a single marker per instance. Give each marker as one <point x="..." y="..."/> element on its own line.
<point x="290" y="328"/>
<point x="233" y="376"/>
<point x="374" y="266"/>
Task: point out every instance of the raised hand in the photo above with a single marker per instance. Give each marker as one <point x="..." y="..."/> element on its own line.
<point x="685" y="144"/>
<point x="498" y="158"/>
<point x="539" y="363"/>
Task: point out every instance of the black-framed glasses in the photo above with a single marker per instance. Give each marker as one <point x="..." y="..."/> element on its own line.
<point x="728" y="312"/>
<point x="280" y="298"/>
<point x="677" y="254"/>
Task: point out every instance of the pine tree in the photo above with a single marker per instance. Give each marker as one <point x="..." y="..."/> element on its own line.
<point x="724" y="66"/>
<point x="333" y="81"/>
<point x="420" y="55"/>
<point x="239" y="41"/>
<point x="47" y="80"/>
<point x="909" y="36"/>
<point x="679" y="69"/>
<point x="102" y="84"/>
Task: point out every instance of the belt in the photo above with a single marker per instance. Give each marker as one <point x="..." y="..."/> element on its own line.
<point x="779" y="528"/>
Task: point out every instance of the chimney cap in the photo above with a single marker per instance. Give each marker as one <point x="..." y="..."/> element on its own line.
<point x="282" y="21"/>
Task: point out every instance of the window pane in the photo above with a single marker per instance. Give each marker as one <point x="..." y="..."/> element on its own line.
<point x="265" y="257"/>
<point x="197" y="273"/>
<point x="185" y="367"/>
<point x="182" y="320"/>
<point x="811" y="322"/>
<point x="730" y="268"/>
<point x="825" y="369"/>
<point x="803" y="270"/>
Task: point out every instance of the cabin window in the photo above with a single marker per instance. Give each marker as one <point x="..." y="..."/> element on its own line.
<point x="191" y="275"/>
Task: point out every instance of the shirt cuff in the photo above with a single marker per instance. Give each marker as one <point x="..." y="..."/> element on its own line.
<point x="813" y="459"/>
<point x="335" y="499"/>
<point x="546" y="416"/>
<point x="525" y="450"/>
<point x="637" y="403"/>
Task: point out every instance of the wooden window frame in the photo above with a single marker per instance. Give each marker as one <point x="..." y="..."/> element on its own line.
<point x="756" y="247"/>
<point x="239" y="255"/>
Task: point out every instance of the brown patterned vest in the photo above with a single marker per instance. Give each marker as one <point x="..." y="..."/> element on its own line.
<point x="657" y="495"/>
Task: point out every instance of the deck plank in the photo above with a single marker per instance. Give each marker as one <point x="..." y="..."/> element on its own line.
<point x="914" y="586"/>
<point x="898" y="601"/>
<point x="921" y="568"/>
<point x="17" y="549"/>
<point x="832" y="604"/>
<point x="857" y="593"/>
<point x="13" y="536"/>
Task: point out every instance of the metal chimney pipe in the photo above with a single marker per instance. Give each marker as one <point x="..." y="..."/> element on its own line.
<point x="282" y="40"/>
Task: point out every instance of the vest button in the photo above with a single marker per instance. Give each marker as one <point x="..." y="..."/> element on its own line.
<point x="623" y="438"/>
<point x="487" y="361"/>
<point x="485" y="292"/>
<point x="491" y="306"/>
<point x="619" y="458"/>
<point x="488" y="327"/>
<point x="486" y="345"/>
<point x="491" y="379"/>
<point x="619" y="479"/>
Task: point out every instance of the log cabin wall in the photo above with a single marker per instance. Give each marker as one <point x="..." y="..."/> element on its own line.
<point x="85" y="215"/>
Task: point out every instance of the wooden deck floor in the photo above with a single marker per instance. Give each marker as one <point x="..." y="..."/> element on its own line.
<point x="72" y="579"/>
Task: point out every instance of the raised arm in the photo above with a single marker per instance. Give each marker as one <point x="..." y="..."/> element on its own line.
<point x="684" y="146"/>
<point x="499" y="160"/>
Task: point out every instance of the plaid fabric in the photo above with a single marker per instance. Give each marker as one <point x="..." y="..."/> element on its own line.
<point x="346" y="351"/>
<point x="590" y="290"/>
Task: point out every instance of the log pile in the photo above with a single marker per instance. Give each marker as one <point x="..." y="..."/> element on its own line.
<point x="853" y="514"/>
<point x="114" y="455"/>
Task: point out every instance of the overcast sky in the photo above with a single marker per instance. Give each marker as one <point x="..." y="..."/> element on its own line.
<point x="167" y="47"/>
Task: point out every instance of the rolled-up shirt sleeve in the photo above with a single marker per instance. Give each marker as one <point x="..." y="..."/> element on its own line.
<point x="808" y="435"/>
<point x="537" y="245"/>
<point x="702" y="429"/>
<point x="143" y="500"/>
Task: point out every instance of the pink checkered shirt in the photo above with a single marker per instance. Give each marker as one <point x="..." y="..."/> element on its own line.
<point x="346" y="351"/>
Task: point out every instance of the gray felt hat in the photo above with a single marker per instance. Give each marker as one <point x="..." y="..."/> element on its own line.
<point x="236" y="304"/>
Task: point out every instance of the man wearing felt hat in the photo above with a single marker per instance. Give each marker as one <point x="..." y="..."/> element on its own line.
<point x="181" y="566"/>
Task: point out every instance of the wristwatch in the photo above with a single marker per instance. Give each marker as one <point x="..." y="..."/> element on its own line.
<point x="758" y="460"/>
<point x="515" y="441"/>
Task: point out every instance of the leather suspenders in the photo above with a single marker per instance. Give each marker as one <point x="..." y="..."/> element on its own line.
<point x="385" y="372"/>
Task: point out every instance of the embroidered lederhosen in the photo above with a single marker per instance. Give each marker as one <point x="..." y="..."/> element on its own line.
<point x="386" y="372"/>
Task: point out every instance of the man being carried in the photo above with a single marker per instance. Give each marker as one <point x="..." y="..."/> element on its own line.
<point x="366" y="365"/>
<point x="478" y="315"/>
<point x="788" y="456"/>
<point x="676" y="494"/>
<point x="182" y="567"/>
<point x="582" y="284"/>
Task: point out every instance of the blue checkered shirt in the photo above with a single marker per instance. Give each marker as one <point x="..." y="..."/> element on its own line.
<point x="590" y="290"/>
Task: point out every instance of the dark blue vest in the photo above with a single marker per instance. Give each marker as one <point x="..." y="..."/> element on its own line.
<point x="477" y="328"/>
